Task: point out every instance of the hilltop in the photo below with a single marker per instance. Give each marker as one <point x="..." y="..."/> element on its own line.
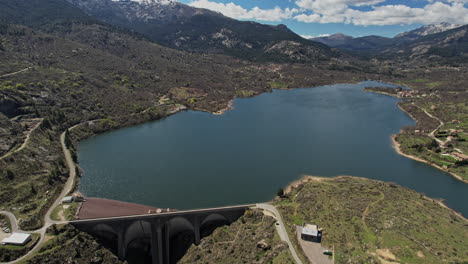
<point x="366" y="221"/>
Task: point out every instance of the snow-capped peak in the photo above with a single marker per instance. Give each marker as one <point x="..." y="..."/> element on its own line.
<point x="436" y="28"/>
<point x="149" y="2"/>
<point x="429" y="29"/>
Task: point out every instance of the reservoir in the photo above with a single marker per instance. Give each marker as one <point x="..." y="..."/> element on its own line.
<point x="196" y="160"/>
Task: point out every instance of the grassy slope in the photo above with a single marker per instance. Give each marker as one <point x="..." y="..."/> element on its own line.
<point x="365" y="219"/>
<point x="237" y="243"/>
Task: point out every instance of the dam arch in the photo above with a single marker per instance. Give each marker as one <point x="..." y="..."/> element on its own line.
<point x="164" y="236"/>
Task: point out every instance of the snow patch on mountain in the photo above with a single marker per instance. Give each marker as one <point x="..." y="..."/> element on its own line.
<point x="149" y="2"/>
<point x="428" y="30"/>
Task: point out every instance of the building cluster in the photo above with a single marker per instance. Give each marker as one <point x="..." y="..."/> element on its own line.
<point x="451" y="134"/>
<point x="459" y="156"/>
<point x="408" y="94"/>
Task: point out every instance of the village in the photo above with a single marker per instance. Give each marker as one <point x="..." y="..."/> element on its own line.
<point x="446" y="146"/>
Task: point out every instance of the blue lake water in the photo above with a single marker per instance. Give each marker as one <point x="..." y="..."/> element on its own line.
<point x="196" y="159"/>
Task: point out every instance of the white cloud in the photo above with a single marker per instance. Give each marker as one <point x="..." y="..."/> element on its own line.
<point x="344" y="11"/>
<point x="458" y="1"/>
<point x="315" y="18"/>
<point x="331" y="7"/>
<point x="238" y="12"/>
<point x="311" y="37"/>
<point x="434" y="12"/>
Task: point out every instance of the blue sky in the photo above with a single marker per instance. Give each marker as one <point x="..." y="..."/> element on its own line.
<point x="351" y="17"/>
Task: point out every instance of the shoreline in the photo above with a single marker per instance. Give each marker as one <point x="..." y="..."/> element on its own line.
<point x="406" y="112"/>
<point x="231" y="101"/>
<point x="227" y="108"/>
<point x="396" y="147"/>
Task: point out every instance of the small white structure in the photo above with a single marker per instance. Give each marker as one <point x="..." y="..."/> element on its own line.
<point x="67" y="199"/>
<point x="19" y="239"/>
<point x="311" y="233"/>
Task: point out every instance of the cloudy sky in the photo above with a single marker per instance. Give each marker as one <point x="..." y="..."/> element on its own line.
<point x="352" y="17"/>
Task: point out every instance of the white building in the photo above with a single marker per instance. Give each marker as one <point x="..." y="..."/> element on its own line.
<point x="67" y="199"/>
<point x="19" y="239"/>
<point x="311" y="233"/>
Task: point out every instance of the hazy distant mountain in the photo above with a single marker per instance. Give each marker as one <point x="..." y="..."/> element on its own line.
<point x="368" y="43"/>
<point x="426" y="30"/>
<point x="377" y="44"/>
<point x="334" y="40"/>
<point x="184" y="27"/>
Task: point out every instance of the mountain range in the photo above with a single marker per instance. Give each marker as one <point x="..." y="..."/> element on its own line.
<point x="421" y="41"/>
<point x="183" y="27"/>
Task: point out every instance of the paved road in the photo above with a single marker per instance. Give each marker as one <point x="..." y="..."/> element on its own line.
<point x="12" y="218"/>
<point x="68" y="185"/>
<point x="281" y="229"/>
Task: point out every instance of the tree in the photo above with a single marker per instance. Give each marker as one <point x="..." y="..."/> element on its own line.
<point x="280" y="192"/>
<point x="68" y="142"/>
<point x="419" y="148"/>
<point x="461" y="162"/>
<point x="10" y="175"/>
<point x="33" y="189"/>
<point x="433" y="144"/>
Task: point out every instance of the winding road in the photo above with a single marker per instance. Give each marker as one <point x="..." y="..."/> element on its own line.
<point x="26" y="141"/>
<point x="280" y="227"/>
<point x="47" y="219"/>
<point x="432" y="134"/>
